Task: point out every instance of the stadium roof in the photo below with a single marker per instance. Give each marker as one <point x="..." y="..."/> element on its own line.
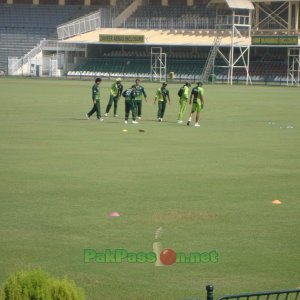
<point x="234" y="4"/>
<point x="156" y="37"/>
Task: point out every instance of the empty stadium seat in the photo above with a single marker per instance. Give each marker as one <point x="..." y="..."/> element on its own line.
<point x="172" y="16"/>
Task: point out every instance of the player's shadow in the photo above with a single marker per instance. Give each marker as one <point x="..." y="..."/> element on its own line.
<point x="156" y="121"/>
<point x="120" y="122"/>
<point x="93" y="120"/>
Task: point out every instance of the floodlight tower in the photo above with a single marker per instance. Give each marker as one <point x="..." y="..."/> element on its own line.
<point x="158" y="64"/>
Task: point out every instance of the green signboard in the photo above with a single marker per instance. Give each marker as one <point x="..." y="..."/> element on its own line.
<point x="275" y="40"/>
<point x="121" y="38"/>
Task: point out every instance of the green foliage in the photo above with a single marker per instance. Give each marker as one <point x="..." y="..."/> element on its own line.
<point x="39" y="285"/>
<point x="65" y="289"/>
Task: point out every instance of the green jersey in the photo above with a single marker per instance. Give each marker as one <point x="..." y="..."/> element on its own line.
<point x="185" y="93"/>
<point x="116" y="89"/>
<point x="96" y="92"/>
<point x="162" y="94"/>
<point x="196" y="92"/>
<point x="129" y="94"/>
<point x="139" y="92"/>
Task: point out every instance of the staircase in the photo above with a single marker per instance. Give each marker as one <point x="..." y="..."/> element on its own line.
<point x="211" y="56"/>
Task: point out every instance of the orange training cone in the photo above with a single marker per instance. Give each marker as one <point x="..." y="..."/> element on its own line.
<point x="276" y="202"/>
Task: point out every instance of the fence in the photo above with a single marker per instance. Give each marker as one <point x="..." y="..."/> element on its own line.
<point x="80" y="25"/>
<point x="170" y="23"/>
<point x="272" y="295"/>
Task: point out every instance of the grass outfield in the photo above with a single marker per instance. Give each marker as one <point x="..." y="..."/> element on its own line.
<point x="210" y="188"/>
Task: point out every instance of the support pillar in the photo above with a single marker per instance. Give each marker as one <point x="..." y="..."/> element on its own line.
<point x="297" y="16"/>
<point x="290" y="17"/>
<point x="164" y="2"/>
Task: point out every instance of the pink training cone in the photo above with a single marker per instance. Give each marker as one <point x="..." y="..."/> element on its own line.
<point x="276" y="202"/>
<point x="114" y="214"/>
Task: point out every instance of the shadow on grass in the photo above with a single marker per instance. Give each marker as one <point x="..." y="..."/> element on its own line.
<point x="122" y="121"/>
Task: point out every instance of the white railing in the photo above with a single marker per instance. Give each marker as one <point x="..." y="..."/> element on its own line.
<point x="170" y="23"/>
<point x="23" y="60"/>
<point x="228" y="20"/>
<point x="81" y="25"/>
<point x="14" y="64"/>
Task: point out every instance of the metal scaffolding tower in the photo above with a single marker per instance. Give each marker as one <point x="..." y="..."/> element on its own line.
<point x="239" y="27"/>
<point x="293" y="77"/>
<point x="284" y="17"/>
<point x="158" y="64"/>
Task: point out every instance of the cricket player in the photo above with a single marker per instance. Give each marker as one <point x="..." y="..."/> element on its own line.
<point x="198" y="103"/>
<point x="184" y="96"/>
<point x="115" y="93"/>
<point x="96" y="100"/>
<point x="162" y="95"/>
<point x="129" y="95"/>
<point x="140" y="92"/>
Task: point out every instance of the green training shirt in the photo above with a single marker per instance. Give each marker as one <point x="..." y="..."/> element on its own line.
<point x="185" y="94"/>
<point x="120" y="89"/>
<point x="196" y="92"/>
<point x="96" y="92"/>
<point x="139" y="92"/>
<point x="162" y="94"/>
<point x="114" y="90"/>
<point x="129" y="94"/>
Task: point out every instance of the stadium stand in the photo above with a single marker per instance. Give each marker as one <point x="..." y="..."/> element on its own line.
<point x="189" y="53"/>
<point x="31" y="24"/>
<point x="133" y="67"/>
<point x="266" y="71"/>
<point x="184" y="69"/>
<point x="173" y="16"/>
<point x="182" y="30"/>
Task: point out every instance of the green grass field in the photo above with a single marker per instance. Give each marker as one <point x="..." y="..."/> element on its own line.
<point x="208" y="188"/>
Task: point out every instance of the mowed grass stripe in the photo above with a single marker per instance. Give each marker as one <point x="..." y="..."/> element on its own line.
<point x="209" y="188"/>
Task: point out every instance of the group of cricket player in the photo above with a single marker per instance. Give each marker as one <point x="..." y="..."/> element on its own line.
<point x="134" y="99"/>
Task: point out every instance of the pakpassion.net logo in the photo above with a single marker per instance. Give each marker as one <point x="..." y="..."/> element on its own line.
<point x="165" y="257"/>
